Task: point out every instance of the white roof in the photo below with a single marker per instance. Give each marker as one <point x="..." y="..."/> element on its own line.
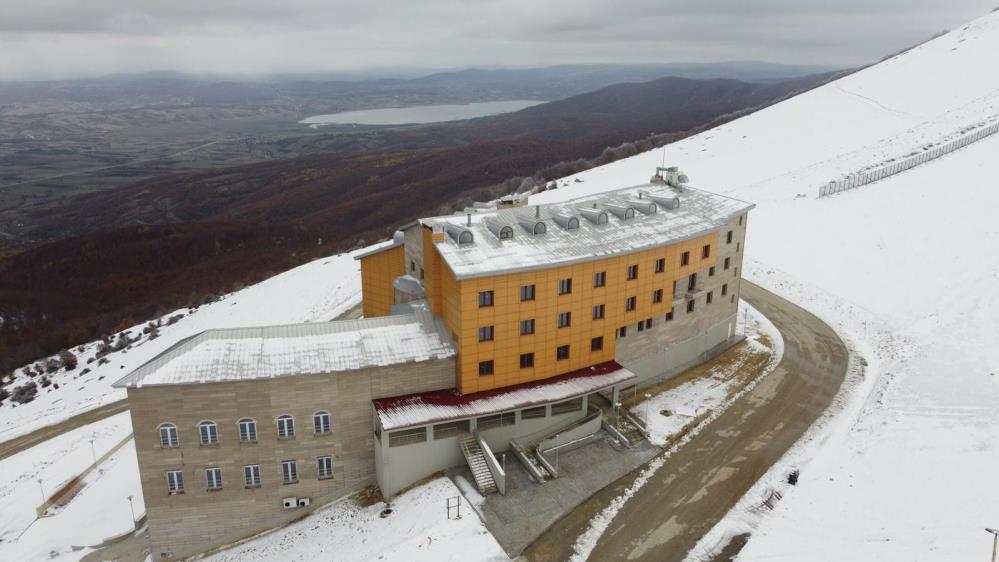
<point x="266" y="352"/>
<point x="699" y="213"/>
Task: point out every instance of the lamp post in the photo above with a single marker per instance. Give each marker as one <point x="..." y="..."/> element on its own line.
<point x="132" y="509"/>
<point x="647" y="397"/>
<point x="93" y="452"/>
<point x="42" y="489"/>
<point x="995" y="540"/>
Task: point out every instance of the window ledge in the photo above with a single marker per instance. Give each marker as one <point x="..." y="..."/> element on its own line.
<point x="214" y="489"/>
<point x="324" y="433"/>
<point x="178" y="493"/>
<point x="251" y="486"/>
<point x="288" y="483"/>
<point x="209" y="444"/>
<point x="286" y="438"/>
<point x="330" y="477"/>
<point x="248" y="442"/>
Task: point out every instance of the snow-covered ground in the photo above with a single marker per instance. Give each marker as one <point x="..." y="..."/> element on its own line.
<point x="100" y="510"/>
<point x="417" y="530"/>
<point x="317" y="291"/>
<point x="714" y="390"/>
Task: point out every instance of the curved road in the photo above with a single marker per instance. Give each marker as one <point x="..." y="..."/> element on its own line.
<point x="705" y="478"/>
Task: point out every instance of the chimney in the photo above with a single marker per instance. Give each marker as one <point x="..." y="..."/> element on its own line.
<point x="469" y="219"/>
<point x="537" y="211"/>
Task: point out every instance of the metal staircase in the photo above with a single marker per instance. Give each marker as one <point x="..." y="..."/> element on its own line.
<point x="476" y="460"/>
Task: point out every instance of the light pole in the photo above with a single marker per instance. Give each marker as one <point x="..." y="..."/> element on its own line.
<point x="132" y="508"/>
<point x="42" y="489"/>
<point x="995" y="539"/>
<point x="93" y="452"/>
<point x="617" y="413"/>
<point x="647" y="397"/>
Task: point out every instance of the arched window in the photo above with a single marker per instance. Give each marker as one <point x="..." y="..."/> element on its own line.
<point x="285" y="426"/>
<point x="540" y="228"/>
<point x="209" y="432"/>
<point x="322" y="422"/>
<point x="247" y="430"/>
<point x="168" y="435"/>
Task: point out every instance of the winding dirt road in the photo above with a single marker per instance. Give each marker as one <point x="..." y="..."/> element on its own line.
<point x="705" y="478"/>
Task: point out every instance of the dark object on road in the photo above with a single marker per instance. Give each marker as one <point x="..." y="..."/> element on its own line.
<point x="792" y="478"/>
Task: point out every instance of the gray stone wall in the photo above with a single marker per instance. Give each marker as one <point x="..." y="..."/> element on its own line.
<point x="414" y="250"/>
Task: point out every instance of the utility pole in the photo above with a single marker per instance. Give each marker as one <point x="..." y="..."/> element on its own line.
<point x="132" y="507"/>
<point x="93" y="451"/>
<point x="995" y="541"/>
<point x="40" y="487"/>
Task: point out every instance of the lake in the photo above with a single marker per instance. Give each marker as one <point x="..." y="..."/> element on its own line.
<point x="419" y="114"/>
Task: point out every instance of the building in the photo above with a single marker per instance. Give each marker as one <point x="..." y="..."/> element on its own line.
<point x="496" y="329"/>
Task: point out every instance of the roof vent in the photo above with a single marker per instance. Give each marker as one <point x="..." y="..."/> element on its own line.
<point x="565" y="220"/>
<point x="621" y="210"/>
<point x="459" y="234"/>
<point x="532" y="224"/>
<point x="398" y="237"/>
<point x="644" y="206"/>
<point x="499" y="230"/>
<point x="666" y="201"/>
<point x="596" y="216"/>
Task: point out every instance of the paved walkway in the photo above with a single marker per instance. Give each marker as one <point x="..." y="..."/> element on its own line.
<point x="705" y="478"/>
<point x="25" y="442"/>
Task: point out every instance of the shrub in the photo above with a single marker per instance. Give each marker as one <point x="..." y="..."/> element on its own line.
<point x="52" y="364"/>
<point x="25" y="393"/>
<point x="46" y="382"/>
<point x="68" y="359"/>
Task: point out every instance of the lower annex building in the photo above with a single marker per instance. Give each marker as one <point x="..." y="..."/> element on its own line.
<point x="485" y="331"/>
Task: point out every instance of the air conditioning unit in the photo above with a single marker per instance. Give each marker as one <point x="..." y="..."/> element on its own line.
<point x="289" y="503"/>
<point x="304" y="502"/>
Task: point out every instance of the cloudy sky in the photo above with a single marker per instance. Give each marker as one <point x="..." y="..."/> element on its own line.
<point x="73" y="38"/>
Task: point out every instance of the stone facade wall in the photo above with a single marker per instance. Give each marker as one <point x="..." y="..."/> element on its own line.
<point x="197" y="520"/>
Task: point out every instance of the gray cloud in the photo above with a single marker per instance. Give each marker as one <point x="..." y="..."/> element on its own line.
<point x="69" y="38"/>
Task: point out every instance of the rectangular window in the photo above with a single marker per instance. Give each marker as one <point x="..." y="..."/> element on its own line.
<point x="597" y="343"/>
<point x="498" y="420"/>
<point x="565" y="286"/>
<point x="175" y="482"/>
<point x="668" y="316"/>
<point x="247" y="431"/>
<point x="657" y="296"/>
<point x="737" y="246"/>
<point x="485" y="299"/>
<point x="421" y="273"/>
<point x="740" y="219"/>
<point x="526" y="293"/>
<point x="412" y="266"/>
<point x="641" y="326"/>
<point x="711" y="271"/>
<point x="632" y="272"/>
<point x="450" y="429"/>
<point x="598" y="312"/>
<point x="251" y="475"/>
<point x="562" y="353"/>
<point x="685" y="258"/>
<point x="724" y="289"/>
<point x="735" y="272"/>
<point x="526" y="360"/>
<point x="534" y="413"/>
<point x="711" y="296"/>
<point x="600" y="279"/>
<point x="486" y="333"/>
<point x="485" y="368"/>
<point x="564" y="319"/>
<point x="728" y="237"/>
<point x="527" y="327"/>
<point x="324" y="467"/>
<point x="690" y="306"/>
<point x="692" y="282"/>
<point x="209" y="433"/>
<point x="706" y="251"/>
<point x="168" y="436"/>
<point x="289" y="472"/>
<point x="322" y="423"/>
<point x="213" y="477"/>
<point x="728" y="261"/>
<point x="407" y="436"/>
<point x="286" y="427"/>
<point x="660" y="265"/>
<point x="648" y="323"/>
<point x="566" y="407"/>
<point x="630" y="303"/>
<point x="622" y="332"/>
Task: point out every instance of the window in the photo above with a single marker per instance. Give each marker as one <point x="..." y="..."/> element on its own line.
<point x="175" y="482"/>
<point x="485" y="368"/>
<point x="486" y="333"/>
<point x="598" y="312"/>
<point x="247" y="430"/>
<point x="407" y="436"/>
<point x="690" y="306"/>
<point x="630" y="303"/>
<point x="641" y="326"/>
<point x="527" y="327"/>
<point x="285" y="426"/>
<point x="660" y="265"/>
<point x="485" y="299"/>
<point x="648" y="323"/>
<point x="564" y="319"/>
<point x="526" y="360"/>
<point x="534" y="413"/>
<point x="657" y="296"/>
<point x="562" y="353"/>
<point x="735" y="272"/>
<point x="728" y="262"/>
<point x="622" y="332"/>
<point x="168" y="435"/>
<point x="740" y="219"/>
<point x="566" y="407"/>
<point x="724" y="289"/>
<point x="685" y="258"/>
<point x="565" y="286"/>
<point x="597" y="343"/>
<point x="737" y="246"/>
<point x="728" y="237"/>
<point x="324" y="467"/>
<point x="497" y="420"/>
<point x="450" y="429"/>
<point x="412" y="266"/>
<point x="527" y="293"/>
<point x="632" y="272"/>
<point x="692" y="282"/>
<point x="251" y="476"/>
<point x="706" y="251"/>
<point x="711" y="271"/>
<point x="668" y="316"/>
<point x="711" y="296"/>
<point x="421" y="273"/>
<point x="213" y="476"/>
<point x="289" y="472"/>
<point x="322" y="423"/>
<point x="209" y="433"/>
<point x="600" y="279"/>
